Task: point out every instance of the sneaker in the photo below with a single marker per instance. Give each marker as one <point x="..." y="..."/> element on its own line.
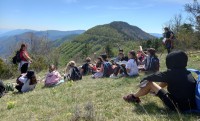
<point x="131" y="98"/>
<point x="113" y="76"/>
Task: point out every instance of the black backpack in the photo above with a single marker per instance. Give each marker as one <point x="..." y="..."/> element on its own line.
<point x="154" y="64"/>
<point x="75" y="74"/>
<point x="2" y="89"/>
<point x="16" y="59"/>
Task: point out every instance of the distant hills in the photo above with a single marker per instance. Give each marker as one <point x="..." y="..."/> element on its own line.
<point x="156" y="35"/>
<point x="95" y="39"/>
<point x="11" y="39"/>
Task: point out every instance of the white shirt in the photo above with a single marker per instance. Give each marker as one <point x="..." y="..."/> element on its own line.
<point x="26" y="87"/>
<point x="132" y="65"/>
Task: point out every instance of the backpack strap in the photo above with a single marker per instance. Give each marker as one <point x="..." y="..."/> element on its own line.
<point x="195" y="71"/>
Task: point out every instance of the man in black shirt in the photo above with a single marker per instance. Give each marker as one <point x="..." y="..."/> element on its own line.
<point x="169" y="35"/>
<point x="180" y="84"/>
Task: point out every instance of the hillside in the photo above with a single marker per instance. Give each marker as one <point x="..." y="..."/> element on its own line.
<point x="89" y="100"/>
<point x="95" y="39"/>
<point x="11" y="40"/>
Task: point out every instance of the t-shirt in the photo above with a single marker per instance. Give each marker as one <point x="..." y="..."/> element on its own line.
<point x="132" y="65"/>
<point x="85" y="68"/>
<point x="26" y="84"/>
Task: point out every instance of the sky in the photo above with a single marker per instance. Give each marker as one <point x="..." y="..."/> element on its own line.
<point x="149" y="15"/>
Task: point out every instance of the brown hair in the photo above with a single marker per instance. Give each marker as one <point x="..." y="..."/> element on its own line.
<point x="132" y="52"/>
<point x="152" y="51"/>
<point x="22" y="46"/>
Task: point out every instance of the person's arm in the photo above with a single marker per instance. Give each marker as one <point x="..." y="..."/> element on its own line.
<point x="142" y="52"/>
<point x="171" y="36"/>
<point x="157" y="77"/>
<point x="26" y="56"/>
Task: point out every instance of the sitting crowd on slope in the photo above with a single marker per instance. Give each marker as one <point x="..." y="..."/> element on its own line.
<point x="177" y="79"/>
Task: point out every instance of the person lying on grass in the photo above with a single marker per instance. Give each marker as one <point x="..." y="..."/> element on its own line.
<point x="180" y="83"/>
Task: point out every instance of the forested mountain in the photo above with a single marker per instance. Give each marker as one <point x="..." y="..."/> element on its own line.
<point x="96" y="39"/>
<point x="10" y="41"/>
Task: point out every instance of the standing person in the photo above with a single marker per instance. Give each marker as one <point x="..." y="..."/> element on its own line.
<point x="25" y="58"/>
<point x="179" y="81"/>
<point x="169" y="35"/>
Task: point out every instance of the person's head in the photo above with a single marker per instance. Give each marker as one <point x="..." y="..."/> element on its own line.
<point x="99" y="59"/>
<point x="132" y="55"/>
<point x="121" y="55"/>
<point x="71" y="64"/>
<point x="23" y="47"/>
<point x="176" y="60"/>
<point x="31" y="75"/>
<point x="151" y="52"/>
<point x="104" y="57"/>
<point x="52" y="68"/>
<point x="88" y="59"/>
<point x="166" y="29"/>
<point x="121" y="51"/>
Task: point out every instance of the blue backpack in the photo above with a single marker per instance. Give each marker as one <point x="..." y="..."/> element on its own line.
<point x="197" y="90"/>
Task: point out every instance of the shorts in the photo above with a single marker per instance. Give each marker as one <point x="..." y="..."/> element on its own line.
<point x="176" y="104"/>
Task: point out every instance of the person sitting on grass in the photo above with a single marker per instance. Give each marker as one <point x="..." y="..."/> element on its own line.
<point x="99" y="65"/>
<point x="53" y="78"/>
<point x="180" y="83"/>
<point x="26" y="82"/>
<point x="72" y="72"/>
<point x="88" y="67"/>
<point x="151" y="61"/>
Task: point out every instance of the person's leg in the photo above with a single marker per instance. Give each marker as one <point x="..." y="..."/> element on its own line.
<point x="24" y="68"/>
<point x="150" y="86"/>
<point x="162" y="84"/>
<point x="145" y="90"/>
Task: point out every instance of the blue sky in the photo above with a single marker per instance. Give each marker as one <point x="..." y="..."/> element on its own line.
<point x="149" y="15"/>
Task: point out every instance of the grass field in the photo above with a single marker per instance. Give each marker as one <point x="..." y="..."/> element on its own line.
<point x="89" y="100"/>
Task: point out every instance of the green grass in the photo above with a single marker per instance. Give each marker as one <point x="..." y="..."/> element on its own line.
<point x="88" y="100"/>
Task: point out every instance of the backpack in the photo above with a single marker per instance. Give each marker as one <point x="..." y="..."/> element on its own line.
<point x="153" y="64"/>
<point x="108" y="70"/>
<point x="75" y="74"/>
<point x="197" y="89"/>
<point x="16" y="59"/>
<point x="2" y="89"/>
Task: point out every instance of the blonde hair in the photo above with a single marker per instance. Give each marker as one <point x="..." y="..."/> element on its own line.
<point x="70" y="64"/>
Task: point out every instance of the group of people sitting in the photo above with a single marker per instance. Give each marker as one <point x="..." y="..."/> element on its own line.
<point x="180" y="83"/>
<point x="118" y="67"/>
